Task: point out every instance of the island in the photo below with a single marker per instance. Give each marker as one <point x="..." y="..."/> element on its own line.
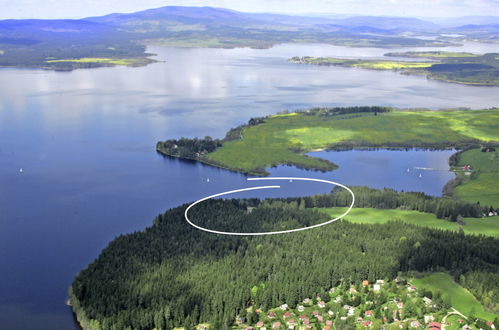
<point x="455" y="67"/>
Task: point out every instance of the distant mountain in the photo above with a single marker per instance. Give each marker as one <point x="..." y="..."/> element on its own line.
<point x="174" y="16"/>
<point x="477" y="28"/>
<point x="124" y="36"/>
<point x="466" y="20"/>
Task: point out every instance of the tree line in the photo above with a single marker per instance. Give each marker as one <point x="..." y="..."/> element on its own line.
<point x="172" y="274"/>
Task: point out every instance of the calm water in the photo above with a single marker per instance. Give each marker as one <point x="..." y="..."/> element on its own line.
<point x="86" y="139"/>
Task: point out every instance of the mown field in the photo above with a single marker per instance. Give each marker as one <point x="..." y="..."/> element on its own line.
<point x="482" y="185"/>
<point x="285" y="138"/>
<point x="460" y="298"/>
<point x="476" y="226"/>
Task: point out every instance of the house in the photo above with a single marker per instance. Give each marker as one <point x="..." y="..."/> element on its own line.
<point x="337" y="300"/>
<point x="307" y="301"/>
<point x="369" y="313"/>
<point x="301" y="308"/>
<point x="202" y="327"/>
<point x="259" y="324"/>
<point x="490" y="325"/>
<point x="276" y="325"/>
<point x="343" y="318"/>
<point x="351" y="311"/>
<point x="367" y="323"/>
<point x="400" y="304"/>
<point x="428" y="318"/>
<point x="434" y="326"/>
<point x="466" y="327"/>
<point x="271" y="315"/>
<point x="283" y="307"/>
<point x="352" y="291"/>
<point x="320" y="318"/>
<point x="321" y="304"/>
<point x="287" y="315"/>
<point x="327" y="327"/>
<point x="380" y="282"/>
<point x="329" y="323"/>
<point x="467" y="167"/>
<point x="330" y="312"/>
<point x="291" y="322"/>
<point x="306" y="321"/>
<point x="360" y="319"/>
<point x="365" y="283"/>
<point x="376" y="287"/>
<point x="427" y="300"/>
<point x="258" y="311"/>
<point x="411" y="288"/>
<point x="302" y="317"/>
<point x="415" y="324"/>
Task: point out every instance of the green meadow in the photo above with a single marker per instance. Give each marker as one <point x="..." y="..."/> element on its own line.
<point x="482" y="186"/>
<point x="285" y="138"/>
<point x="103" y="60"/>
<point x="475" y="226"/>
<point x="365" y="64"/>
<point x="460" y="298"/>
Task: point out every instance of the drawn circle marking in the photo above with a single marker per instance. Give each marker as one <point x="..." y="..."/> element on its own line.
<point x="268" y="187"/>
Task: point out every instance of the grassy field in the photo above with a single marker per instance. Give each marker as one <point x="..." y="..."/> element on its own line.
<point x="483" y="185"/>
<point x="460" y="298"/>
<point x="113" y="61"/>
<point x="278" y="139"/>
<point x="365" y="64"/>
<point x="485" y="226"/>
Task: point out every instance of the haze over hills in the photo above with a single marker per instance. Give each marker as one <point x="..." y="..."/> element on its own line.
<point x="34" y="42"/>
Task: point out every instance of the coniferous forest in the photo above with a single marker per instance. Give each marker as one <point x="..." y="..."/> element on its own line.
<point x="173" y="275"/>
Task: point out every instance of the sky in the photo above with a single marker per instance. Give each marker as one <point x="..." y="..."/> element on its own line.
<point x="413" y="8"/>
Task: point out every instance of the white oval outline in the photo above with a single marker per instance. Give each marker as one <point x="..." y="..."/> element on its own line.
<point x="268" y="187"/>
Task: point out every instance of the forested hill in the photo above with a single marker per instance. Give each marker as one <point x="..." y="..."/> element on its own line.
<point x="120" y="39"/>
<point x="173" y="275"/>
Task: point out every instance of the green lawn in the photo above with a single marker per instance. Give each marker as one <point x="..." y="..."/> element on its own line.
<point x="485" y="226"/>
<point x="273" y="142"/>
<point x="484" y="187"/>
<point x="460" y="298"/>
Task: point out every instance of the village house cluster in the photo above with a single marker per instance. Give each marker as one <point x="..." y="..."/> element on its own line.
<point x="378" y="305"/>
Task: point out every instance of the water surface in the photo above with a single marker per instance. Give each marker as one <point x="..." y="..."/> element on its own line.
<point x="86" y="142"/>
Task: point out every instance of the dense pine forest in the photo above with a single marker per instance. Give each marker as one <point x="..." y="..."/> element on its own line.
<point x="173" y="275"/>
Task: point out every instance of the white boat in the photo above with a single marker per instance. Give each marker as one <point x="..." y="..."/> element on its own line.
<point x="207" y="179"/>
<point x="21" y="170"/>
<point x="420" y="175"/>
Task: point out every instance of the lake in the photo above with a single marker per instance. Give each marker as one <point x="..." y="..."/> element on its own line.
<point x="86" y="143"/>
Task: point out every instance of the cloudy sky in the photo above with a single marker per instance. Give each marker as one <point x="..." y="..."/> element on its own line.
<point x="419" y="8"/>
